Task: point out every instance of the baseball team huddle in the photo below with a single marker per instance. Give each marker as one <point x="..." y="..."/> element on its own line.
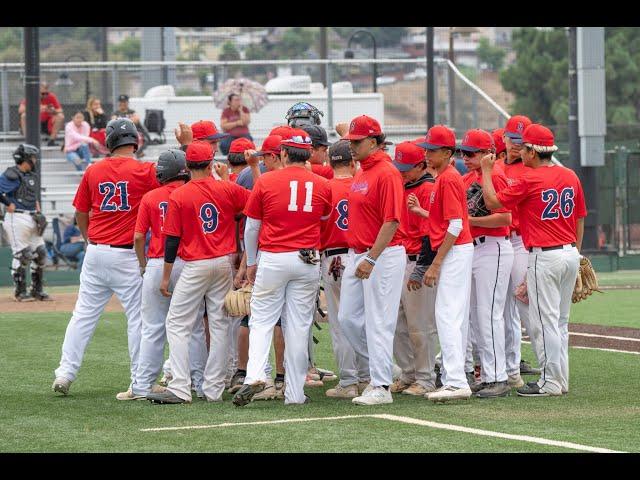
<point x="426" y="272"/>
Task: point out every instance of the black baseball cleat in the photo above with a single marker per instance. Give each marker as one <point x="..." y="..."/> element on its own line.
<point x="41" y="296"/>
<point x="531" y="390"/>
<point x="165" y="397"/>
<point x="24" y="297"/>
<point x="246" y="393"/>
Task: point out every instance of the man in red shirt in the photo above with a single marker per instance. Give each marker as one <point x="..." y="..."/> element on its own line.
<point x="492" y="261"/>
<point x="106" y="205"/>
<point x="451" y="267"/>
<point x="283" y="218"/>
<point x="552" y="208"/>
<point x="372" y="279"/>
<point x="51" y="114"/>
<point x="353" y="368"/>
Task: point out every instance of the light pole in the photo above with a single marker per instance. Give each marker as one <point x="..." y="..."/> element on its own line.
<point x="64" y="79"/>
<point x="349" y="54"/>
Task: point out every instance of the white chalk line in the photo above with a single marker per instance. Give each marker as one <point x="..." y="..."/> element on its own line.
<point x="596" y="348"/>
<point x="407" y="420"/>
<point x="626" y="339"/>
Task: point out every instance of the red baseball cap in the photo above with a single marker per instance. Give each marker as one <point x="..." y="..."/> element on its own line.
<point x="498" y="140"/>
<point x="516" y="126"/>
<point x="285" y="131"/>
<point x="299" y="139"/>
<point x="199" y="151"/>
<point x="407" y="156"/>
<point x="475" y="140"/>
<point x="206" y="130"/>
<point x="239" y="145"/>
<point x="437" y="137"/>
<point x="271" y="144"/>
<point x="539" y="136"/>
<point x="363" y="127"/>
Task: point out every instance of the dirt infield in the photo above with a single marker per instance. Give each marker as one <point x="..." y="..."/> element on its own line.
<point x="62" y="302"/>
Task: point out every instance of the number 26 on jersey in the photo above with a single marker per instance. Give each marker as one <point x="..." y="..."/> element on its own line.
<point x="558" y="203"/>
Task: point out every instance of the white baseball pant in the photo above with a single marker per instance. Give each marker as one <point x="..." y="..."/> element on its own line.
<point x="551" y="278"/>
<point x="211" y="279"/>
<point x="416" y="340"/>
<point x="492" y="262"/>
<point x="281" y="275"/>
<point x="154" y="311"/>
<point x="22" y="233"/>
<point x="369" y="315"/>
<point x="352" y="368"/>
<point x="452" y="312"/>
<point x="105" y="271"/>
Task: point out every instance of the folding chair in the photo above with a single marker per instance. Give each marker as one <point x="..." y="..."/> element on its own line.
<point x="57" y="241"/>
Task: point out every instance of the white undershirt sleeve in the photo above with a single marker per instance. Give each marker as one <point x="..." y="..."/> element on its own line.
<point x="455" y="226"/>
<point x="251" y="232"/>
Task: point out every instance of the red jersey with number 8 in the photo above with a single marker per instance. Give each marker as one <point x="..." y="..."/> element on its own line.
<point x="335" y="228"/>
<point x="290" y="203"/>
<point x="203" y="214"/>
<point x="550" y="201"/>
<point x="111" y="190"/>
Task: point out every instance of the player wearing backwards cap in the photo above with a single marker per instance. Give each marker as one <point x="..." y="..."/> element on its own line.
<point x="319" y="149"/>
<point x="372" y="279"/>
<point x="492" y="261"/>
<point x="172" y="173"/>
<point x="552" y="208"/>
<point x="516" y="312"/>
<point x="106" y="205"/>
<point x="201" y="220"/>
<point x="416" y="337"/>
<point x="353" y="368"/>
<point x="285" y="209"/>
<point x="451" y="267"/>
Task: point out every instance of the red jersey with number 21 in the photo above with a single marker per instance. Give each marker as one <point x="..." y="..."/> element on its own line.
<point x="111" y="190"/>
<point x="203" y="214"/>
<point x="550" y="201"/>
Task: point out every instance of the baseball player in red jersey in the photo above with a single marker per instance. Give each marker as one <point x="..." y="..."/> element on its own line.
<point x="492" y="261"/>
<point x="415" y="341"/>
<point x="106" y="205"/>
<point x="372" y="279"/>
<point x="283" y="219"/>
<point x="353" y="368"/>
<point x="552" y="208"/>
<point x="516" y="312"/>
<point x="201" y="220"/>
<point x="451" y="267"/>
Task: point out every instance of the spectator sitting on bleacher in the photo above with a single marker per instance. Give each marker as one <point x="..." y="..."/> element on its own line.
<point x="73" y="244"/>
<point x="77" y="140"/>
<point x="97" y="119"/>
<point x="51" y="114"/>
<point x="124" y="111"/>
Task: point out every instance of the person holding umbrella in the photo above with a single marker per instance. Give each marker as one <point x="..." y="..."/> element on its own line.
<point x="235" y="121"/>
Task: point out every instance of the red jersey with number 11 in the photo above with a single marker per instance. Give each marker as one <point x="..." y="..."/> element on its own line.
<point x="111" y="190"/>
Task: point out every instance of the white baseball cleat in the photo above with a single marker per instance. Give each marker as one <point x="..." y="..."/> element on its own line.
<point x="128" y="395"/>
<point x="61" y="385"/>
<point x="374" y="396"/>
<point x="447" y="392"/>
<point x="350" y="391"/>
<point x="269" y="392"/>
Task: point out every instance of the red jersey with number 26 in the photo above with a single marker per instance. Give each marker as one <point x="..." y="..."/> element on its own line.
<point x="550" y="201"/>
<point x="290" y="203"/>
<point x="111" y="190"/>
<point x="335" y="228"/>
<point x="203" y="214"/>
<point x="151" y="215"/>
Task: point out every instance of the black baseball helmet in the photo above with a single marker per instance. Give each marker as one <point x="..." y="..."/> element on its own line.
<point x="25" y="152"/>
<point x="303" y="113"/>
<point x="119" y="132"/>
<point x="172" y="165"/>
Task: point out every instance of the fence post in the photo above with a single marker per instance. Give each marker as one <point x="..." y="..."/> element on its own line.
<point x="474" y="109"/>
<point x="115" y="87"/>
<point x="4" y="81"/>
<point x="623" y="218"/>
<point x="450" y="86"/>
<point x="329" y="80"/>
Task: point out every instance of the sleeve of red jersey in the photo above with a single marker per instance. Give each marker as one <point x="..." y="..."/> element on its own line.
<point x="143" y="221"/>
<point x="253" y="208"/>
<point x="240" y="197"/>
<point x="581" y="205"/>
<point x="513" y="194"/>
<point x="391" y="198"/>
<point x="499" y="184"/>
<point x="173" y="223"/>
<point x="454" y="200"/>
<point x="327" y="197"/>
<point x="82" y="200"/>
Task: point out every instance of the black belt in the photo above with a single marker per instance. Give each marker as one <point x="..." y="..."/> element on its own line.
<point x="335" y="251"/>
<point x="128" y="247"/>
<point x="412" y="258"/>
<point x="483" y="239"/>
<point x="20" y="210"/>
<point x="555" y="247"/>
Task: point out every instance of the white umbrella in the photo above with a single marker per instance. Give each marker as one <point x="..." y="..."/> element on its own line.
<point x="253" y="94"/>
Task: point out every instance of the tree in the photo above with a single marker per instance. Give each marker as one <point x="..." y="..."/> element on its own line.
<point x="128" y="49"/>
<point x="492" y="55"/>
<point x="230" y="53"/>
<point x="385" y="36"/>
<point x="296" y="42"/>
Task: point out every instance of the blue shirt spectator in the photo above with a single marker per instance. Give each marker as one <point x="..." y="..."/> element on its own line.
<point x="73" y="244"/>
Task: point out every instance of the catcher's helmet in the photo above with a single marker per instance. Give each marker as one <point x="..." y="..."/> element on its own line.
<point x="303" y="113"/>
<point x="172" y="165"/>
<point x="119" y="132"/>
<point x="24" y="152"/>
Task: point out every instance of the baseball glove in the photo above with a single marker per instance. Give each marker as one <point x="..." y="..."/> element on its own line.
<point x="336" y="267"/>
<point x="308" y="255"/>
<point x="237" y="302"/>
<point x="521" y="292"/>
<point x="586" y="282"/>
<point x="41" y="222"/>
<point x="475" y="201"/>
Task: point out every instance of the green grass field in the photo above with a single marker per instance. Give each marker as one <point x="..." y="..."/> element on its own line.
<point x="601" y="410"/>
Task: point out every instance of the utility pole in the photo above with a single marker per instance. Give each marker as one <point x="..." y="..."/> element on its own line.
<point x="323" y="53"/>
<point x="165" y="72"/>
<point x="32" y="90"/>
<point x="431" y="74"/>
<point x="574" y="140"/>
<point x="105" y="58"/>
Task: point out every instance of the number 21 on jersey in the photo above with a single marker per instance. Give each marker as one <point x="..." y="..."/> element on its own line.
<point x="293" y="200"/>
<point x="110" y="190"/>
<point x="557" y="204"/>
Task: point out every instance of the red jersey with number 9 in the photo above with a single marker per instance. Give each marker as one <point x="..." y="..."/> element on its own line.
<point x="203" y="214"/>
<point x="550" y="201"/>
<point x="151" y="215"/>
<point x="290" y="203"/>
<point x="335" y="228"/>
<point x="111" y="190"/>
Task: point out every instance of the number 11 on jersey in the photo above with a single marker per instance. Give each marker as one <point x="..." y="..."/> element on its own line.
<point x="293" y="200"/>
